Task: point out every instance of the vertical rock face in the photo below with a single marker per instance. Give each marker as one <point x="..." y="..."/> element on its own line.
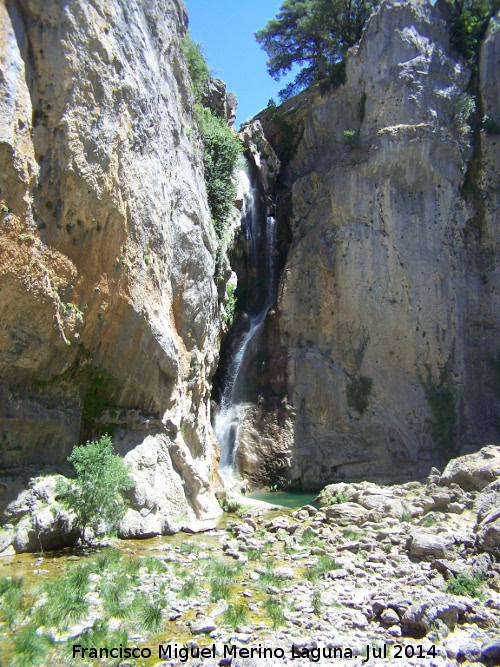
<point x="383" y="354"/>
<point x="107" y="298"/>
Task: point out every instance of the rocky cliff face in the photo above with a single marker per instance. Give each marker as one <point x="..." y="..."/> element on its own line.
<point x="108" y="308"/>
<point x="382" y="355"/>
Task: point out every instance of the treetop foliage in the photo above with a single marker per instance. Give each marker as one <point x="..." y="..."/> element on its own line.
<point x="314" y="34"/>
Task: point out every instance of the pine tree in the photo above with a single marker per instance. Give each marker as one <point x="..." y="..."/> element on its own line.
<point x="314" y="34"/>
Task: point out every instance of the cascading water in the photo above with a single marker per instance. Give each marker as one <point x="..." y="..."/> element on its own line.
<point x="229" y="420"/>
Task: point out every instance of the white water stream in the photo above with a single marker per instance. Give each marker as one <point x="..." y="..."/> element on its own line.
<point x="229" y="420"/>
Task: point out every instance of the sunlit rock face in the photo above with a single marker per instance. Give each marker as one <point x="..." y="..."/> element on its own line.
<point x="107" y="297"/>
<point x="382" y="354"/>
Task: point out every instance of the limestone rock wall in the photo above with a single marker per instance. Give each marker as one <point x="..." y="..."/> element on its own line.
<point x="383" y="349"/>
<point x="107" y="297"/>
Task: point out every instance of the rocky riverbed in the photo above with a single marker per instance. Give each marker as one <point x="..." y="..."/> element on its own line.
<point x="406" y="574"/>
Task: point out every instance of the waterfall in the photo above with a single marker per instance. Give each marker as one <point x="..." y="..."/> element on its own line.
<point x="229" y="420"/>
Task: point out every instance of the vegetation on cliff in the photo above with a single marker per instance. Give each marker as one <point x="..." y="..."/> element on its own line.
<point x="221" y="146"/>
<point x="314" y="34"/>
<point x="469" y="27"/>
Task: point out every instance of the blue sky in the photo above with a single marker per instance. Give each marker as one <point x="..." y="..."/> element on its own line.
<point x="226" y="29"/>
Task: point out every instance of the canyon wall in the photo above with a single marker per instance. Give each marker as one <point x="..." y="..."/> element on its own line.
<point x="109" y="317"/>
<point x="382" y="355"/>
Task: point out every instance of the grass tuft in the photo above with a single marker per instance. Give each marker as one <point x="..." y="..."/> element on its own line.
<point x="269" y="578"/>
<point x="189" y="589"/>
<point x="307" y="536"/>
<point x="190" y="548"/>
<point x="64" y="604"/>
<point x="29" y="648"/>
<point x="274" y="608"/>
<point x="324" y="565"/>
<point x="11" y="599"/>
<point x="316" y="601"/>
<point x="107" y="560"/>
<point x="350" y="534"/>
<point x="235" y="615"/>
<point x="153" y="564"/>
<point x="219" y="590"/>
<point x="150" y="617"/>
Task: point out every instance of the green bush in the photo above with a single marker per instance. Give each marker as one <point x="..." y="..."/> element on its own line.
<point x="351" y="138"/>
<point x="336" y="76"/>
<point x="316" y="601"/>
<point x="12" y="603"/>
<point x="269" y="578"/>
<point x="350" y="534"/>
<point x="464" y="585"/>
<point x="64" y="605"/>
<point x="96" y="493"/>
<point x="150" y="616"/>
<point x="189" y="589"/>
<point x="307" y="536"/>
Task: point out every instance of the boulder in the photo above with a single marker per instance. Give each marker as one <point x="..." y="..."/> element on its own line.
<point x="55" y="527"/>
<point x="6" y="537"/>
<point x="135" y="526"/>
<point x="25" y="538"/>
<point x="284" y="571"/>
<point x="25" y="502"/>
<point x="198" y="526"/>
<point x="52" y="527"/>
<point x="346" y="513"/>
<point x="488" y="536"/>
<point x="469" y="651"/>
<point x="427" y="544"/>
<point x="390" y="617"/>
<point x="490" y="652"/>
<point x="474" y="472"/>
<point x="419" y="618"/>
<point x="203" y="626"/>
<point x="487" y="500"/>
<point x="487" y="506"/>
<point x="277" y="523"/>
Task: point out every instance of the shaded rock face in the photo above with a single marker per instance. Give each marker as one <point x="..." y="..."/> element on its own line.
<point x="107" y="297"/>
<point x="385" y="340"/>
